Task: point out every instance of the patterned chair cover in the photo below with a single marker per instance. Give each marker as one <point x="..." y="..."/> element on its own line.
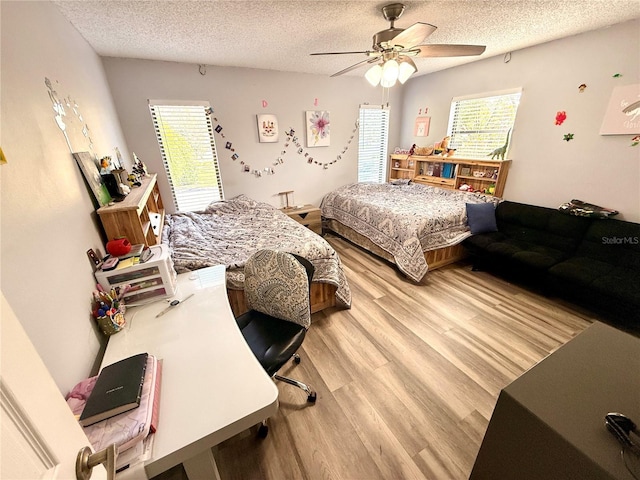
<point x="276" y="284"/>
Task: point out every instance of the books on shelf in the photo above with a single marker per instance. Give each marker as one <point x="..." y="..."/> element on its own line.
<point x="117" y="390"/>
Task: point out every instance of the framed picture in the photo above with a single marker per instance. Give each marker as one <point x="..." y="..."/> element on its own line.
<point x="267" y="128"/>
<point x="317" y="126"/>
<point x="622" y="116"/>
<point x="421" y="127"/>
<point x="91" y="173"/>
<point x="465" y="171"/>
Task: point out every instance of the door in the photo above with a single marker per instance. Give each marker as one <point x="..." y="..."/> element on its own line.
<point x="40" y="438"/>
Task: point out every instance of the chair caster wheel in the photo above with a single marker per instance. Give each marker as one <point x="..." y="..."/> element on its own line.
<point x="312" y="397"/>
<point x="263" y="431"/>
<point x="296" y="359"/>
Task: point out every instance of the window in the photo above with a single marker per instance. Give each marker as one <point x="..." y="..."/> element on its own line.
<point x="479" y="124"/>
<point x="185" y="137"/>
<point x="372" y="144"/>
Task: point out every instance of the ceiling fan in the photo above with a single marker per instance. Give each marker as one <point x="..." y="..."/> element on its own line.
<point x="394" y="48"/>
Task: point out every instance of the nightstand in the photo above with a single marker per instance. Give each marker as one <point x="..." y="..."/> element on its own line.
<point x="307" y="215"/>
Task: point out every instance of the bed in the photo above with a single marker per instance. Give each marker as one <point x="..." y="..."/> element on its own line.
<point x="415" y="226"/>
<point x="228" y="232"/>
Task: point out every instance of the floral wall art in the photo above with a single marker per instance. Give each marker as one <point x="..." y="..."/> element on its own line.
<point x="318" y="132"/>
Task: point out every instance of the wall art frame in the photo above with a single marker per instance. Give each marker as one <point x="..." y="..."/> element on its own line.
<point x="317" y="126"/>
<point x="89" y="167"/>
<point x="267" y="128"/>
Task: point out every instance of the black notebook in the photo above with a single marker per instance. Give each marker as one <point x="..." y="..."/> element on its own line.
<point x="117" y="390"/>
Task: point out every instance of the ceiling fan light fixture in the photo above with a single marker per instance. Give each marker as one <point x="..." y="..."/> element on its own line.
<point x="373" y="75"/>
<point x="406" y="68"/>
<point x="390" y="71"/>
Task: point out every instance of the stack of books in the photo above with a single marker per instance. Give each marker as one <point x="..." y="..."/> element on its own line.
<point x="123" y="408"/>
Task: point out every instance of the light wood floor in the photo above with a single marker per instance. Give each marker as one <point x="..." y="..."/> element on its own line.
<point x="406" y="379"/>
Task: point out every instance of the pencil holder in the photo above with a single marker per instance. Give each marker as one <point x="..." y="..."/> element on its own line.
<point x="110" y="324"/>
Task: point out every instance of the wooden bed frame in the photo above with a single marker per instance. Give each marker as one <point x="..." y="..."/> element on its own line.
<point x="434" y="258"/>
<point x="323" y="295"/>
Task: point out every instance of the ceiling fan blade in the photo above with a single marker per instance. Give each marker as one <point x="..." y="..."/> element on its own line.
<point x="356" y="65"/>
<point x="414" y="35"/>
<point x="447" y="50"/>
<point x="366" y="52"/>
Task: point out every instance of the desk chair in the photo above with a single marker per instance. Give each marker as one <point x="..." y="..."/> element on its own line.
<point x="276" y="287"/>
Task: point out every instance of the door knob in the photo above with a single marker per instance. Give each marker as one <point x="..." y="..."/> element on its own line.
<point x="85" y="461"/>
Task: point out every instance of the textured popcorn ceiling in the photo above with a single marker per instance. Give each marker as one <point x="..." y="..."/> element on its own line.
<point x="279" y="35"/>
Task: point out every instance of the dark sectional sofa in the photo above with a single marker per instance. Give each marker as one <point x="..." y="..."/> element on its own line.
<point x="591" y="261"/>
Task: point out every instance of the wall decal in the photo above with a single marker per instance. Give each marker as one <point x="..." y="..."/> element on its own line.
<point x="561" y="117"/>
<point x="264" y="104"/>
<point x="318" y="128"/>
<point x="634" y="142"/>
<point x="622" y="116"/>
<point x="568" y="136"/>
<point x="315" y="102"/>
<point x="582" y="87"/>
<point x="267" y="128"/>
<point x="67" y="123"/>
<point x="421" y="127"/>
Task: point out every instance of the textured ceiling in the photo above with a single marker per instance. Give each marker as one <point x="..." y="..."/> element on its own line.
<point x="279" y="35"/>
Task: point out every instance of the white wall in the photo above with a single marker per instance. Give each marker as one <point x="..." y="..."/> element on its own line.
<point x="547" y="170"/>
<point x="236" y="94"/>
<point x="47" y="217"/>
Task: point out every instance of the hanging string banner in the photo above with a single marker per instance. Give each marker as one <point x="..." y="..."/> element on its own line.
<point x="292" y="140"/>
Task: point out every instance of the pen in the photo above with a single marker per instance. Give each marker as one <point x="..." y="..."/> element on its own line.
<point x="173" y="304"/>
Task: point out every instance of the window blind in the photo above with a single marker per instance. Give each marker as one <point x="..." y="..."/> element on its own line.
<point x="372" y="144"/>
<point x="187" y="145"/>
<point x="480" y="124"/>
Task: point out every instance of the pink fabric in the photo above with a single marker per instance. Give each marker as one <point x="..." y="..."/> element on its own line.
<point x="79" y="394"/>
<point x="126" y="429"/>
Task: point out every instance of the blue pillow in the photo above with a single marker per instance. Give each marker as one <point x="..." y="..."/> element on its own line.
<point x="481" y="217"/>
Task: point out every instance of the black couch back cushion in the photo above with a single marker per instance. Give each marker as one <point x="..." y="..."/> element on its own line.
<point x="613" y="241"/>
<point x="541" y="226"/>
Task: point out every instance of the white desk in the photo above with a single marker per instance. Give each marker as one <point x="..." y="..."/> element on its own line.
<point x="212" y="385"/>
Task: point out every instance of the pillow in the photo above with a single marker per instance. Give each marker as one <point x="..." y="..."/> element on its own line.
<point x="401" y="181"/>
<point x="481" y="217"/>
<point x="583" y="209"/>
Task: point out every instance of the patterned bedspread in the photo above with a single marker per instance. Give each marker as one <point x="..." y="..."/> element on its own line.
<point x="228" y="232"/>
<point x="404" y="220"/>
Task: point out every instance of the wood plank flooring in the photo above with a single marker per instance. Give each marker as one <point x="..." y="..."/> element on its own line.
<point x="407" y="378"/>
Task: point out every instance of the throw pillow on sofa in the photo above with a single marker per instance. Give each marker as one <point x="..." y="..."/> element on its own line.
<point x="481" y="217"/>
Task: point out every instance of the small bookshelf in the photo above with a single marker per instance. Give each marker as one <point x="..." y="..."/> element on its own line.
<point x="485" y="176"/>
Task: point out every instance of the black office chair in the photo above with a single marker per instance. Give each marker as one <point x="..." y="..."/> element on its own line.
<point x="276" y="288"/>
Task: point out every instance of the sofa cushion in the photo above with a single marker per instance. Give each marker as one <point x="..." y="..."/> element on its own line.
<point x="541" y="226"/>
<point x="582" y="271"/>
<point x="613" y="241"/>
<point x="538" y="257"/>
